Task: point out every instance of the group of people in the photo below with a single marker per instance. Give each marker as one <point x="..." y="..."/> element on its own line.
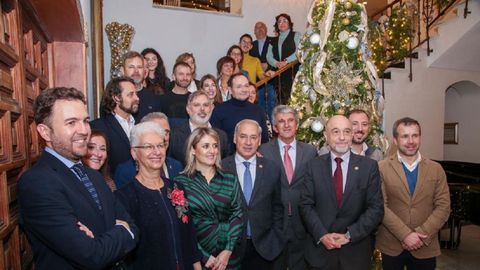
<point x="199" y="184"/>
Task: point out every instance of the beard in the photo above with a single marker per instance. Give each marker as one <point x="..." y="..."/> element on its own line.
<point x="131" y="110"/>
<point x="359" y="141"/>
<point x="182" y="83"/>
<point x="201" y="118"/>
<point x="69" y="149"/>
<point x="340" y="149"/>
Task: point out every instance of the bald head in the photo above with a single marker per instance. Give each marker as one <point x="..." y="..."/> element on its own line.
<point x="260" y="30"/>
<point x="338" y="134"/>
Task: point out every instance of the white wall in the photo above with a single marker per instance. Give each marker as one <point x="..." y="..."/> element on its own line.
<point x="461" y="105"/>
<point x="424" y="100"/>
<point x="208" y="36"/>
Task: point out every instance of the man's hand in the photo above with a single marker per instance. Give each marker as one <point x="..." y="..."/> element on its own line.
<point x="264" y="66"/>
<point x="210" y="262"/>
<point x="329" y="241"/>
<point x="85" y="229"/>
<point x="413" y="241"/>
<point x="340" y="239"/>
<point x="222" y="260"/>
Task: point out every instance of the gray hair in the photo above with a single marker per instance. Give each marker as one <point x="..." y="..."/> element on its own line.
<point x="196" y="94"/>
<point x="283" y="109"/>
<point x="153" y="116"/>
<point x="144" y="128"/>
<point x="250" y="121"/>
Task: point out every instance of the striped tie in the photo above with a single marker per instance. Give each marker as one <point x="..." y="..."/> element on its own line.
<point x="82" y="175"/>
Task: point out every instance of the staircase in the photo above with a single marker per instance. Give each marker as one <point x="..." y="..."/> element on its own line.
<point x="417" y="88"/>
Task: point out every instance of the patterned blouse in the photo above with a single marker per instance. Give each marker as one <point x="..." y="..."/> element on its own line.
<point x="216" y="211"/>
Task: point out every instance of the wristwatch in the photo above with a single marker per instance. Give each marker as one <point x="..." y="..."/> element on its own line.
<point x="347" y="235"/>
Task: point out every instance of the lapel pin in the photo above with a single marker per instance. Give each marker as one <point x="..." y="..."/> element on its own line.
<point x="356" y="168"/>
<point x="260" y="166"/>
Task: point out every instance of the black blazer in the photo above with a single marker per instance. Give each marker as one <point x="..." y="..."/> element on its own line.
<point x="52" y="200"/>
<point x="360" y="212"/>
<point x="119" y="145"/>
<point x="293" y="225"/>
<point x="254" y="51"/>
<point x="265" y="211"/>
<point x="179" y="139"/>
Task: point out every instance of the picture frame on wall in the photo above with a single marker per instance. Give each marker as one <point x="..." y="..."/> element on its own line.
<point x="450" y="133"/>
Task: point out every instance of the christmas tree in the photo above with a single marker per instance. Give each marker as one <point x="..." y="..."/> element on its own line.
<point x="336" y="74"/>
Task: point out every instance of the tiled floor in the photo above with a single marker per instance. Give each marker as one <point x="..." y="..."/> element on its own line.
<point x="467" y="256"/>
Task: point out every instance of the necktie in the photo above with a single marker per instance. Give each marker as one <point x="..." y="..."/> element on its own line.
<point x="80" y="171"/>
<point x="287" y="163"/>
<point x="247" y="190"/>
<point x="338" y="181"/>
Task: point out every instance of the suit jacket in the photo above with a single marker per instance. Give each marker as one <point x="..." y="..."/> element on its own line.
<point x="126" y="171"/>
<point x="424" y="212"/>
<point x="254" y="51"/>
<point x="179" y="139"/>
<point x="52" y="200"/>
<point x="360" y="212"/>
<point x="265" y="210"/>
<point x="118" y="143"/>
<point x="293" y="224"/>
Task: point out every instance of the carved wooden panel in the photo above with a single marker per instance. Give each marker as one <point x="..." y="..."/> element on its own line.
<point x="4" y="127"/>
<point x="11" y="250"/>
<point x="3" y="207"/>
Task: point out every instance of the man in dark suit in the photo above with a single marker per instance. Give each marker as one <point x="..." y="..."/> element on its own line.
<point x="134" y="68"/>
<point x="342" y="203"/>
<point x="119" y="101"/>
<point x="260" y="46"/>
<point x="69" y="214"/>
<point x="199" y="108"/>
<point x="262" y="206"/>
<point x="126" y="171"/>
<point x="292" y="157"/>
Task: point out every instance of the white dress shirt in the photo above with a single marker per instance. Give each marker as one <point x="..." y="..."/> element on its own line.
<point x="241" y="168"/>
<point x="126" y="125"/>
<point x="292" y="152"/>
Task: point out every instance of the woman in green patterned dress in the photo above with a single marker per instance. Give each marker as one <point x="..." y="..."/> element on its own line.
<point x="214" y="199"/>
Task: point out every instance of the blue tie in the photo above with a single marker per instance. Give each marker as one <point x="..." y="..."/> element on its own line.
<point x="82" y="175"/>
<point x="247" y="190"/>
<point x="247" y="182"/>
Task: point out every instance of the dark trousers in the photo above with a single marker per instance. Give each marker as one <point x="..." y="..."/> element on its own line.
<point x="292" y="257"/>
<point x="406" y="259"/>
<point x="252" y="260"/>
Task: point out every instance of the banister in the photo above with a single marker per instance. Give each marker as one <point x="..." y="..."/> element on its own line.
<point x="276" y="74"/>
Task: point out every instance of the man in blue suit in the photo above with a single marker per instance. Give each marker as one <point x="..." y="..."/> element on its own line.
<point x="69" y="214"/>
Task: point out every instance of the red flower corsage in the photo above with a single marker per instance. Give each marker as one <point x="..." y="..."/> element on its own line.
<point x="177" y="197"/>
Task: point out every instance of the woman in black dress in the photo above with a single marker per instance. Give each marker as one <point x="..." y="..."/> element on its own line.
<point x="159" y="208"/>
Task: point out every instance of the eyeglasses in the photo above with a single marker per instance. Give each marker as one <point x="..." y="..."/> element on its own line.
<point x="150" y="147"/>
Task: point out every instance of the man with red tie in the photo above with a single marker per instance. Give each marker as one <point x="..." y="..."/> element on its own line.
<point x="341" y="204"/>
<point x="292" y="156"/>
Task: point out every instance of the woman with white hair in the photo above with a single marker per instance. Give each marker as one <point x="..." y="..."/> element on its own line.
<point x="158" y="206"/>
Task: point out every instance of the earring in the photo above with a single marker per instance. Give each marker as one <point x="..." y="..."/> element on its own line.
<point x="136" y="165"/>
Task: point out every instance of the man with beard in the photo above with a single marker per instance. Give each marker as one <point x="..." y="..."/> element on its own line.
<point x="174" y="102"/>
<point x="360" y="124"/>
<point x="341" y="203"/>
<point x="120" y="102"/>
<point x="134" y="68"/>
<point x="68" y="212"/>
<point x="417" y="203"/>
<point x="199" y="109"/>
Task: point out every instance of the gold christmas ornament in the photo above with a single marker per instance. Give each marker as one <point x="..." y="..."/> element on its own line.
<point x="345" y="21"/>
<point x="348" y="5"/>
<point x="120" y="37"/>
